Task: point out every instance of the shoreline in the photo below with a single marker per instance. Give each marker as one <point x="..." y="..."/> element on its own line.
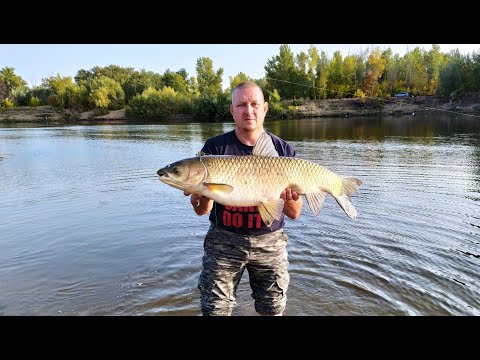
<point x="306" y="108"/>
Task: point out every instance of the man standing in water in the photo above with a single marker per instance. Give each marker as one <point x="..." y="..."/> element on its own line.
<point x="237" y="237"/>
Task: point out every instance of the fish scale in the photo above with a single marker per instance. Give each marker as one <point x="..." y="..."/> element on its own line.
<point x="253" y="176"/>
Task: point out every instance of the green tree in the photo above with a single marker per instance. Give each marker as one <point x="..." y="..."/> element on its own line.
<point x="335" y="79"/>
<point x="121" y="75"/>
<point x="107" y="94"/>
<point x="350" y="79"/>
<point x="360" y="67"/>
<point x="115" y="72"/>
<point x="3" y="90"/>
<point x="153" y="103"/>
<point x="12" y="83"/>
<point x="418" y="83"/>
<point x="21" y="95"/>
<point x="434" y="61"/>
<point x="390" y="73"/>
<point x="34" y="101"/>
<point x="375" y="68"/>
<point x="281" y="72"/>
<point x="450" y="80"/>
<point x="301" y="81"/>
<point x="313" y="59"/>
<point x="64" y="90"/>
<point x="139" y="81"/>
<point x="176" y="81"/>
<point x="7" y="104"/>
<point x="302" y="62"/>
<point x="193" y="86"/>
<point x="476" y="71"/>
<point x="190" y="82"/>
<point x="451" y="76"/>
<point x="209" y="81"/>
<point x="42" y="93"/>
<point x="323" y="67"/>
<point x="467" y="73"/>
<point x="275" y="108"/>
<point x="237" y="79"/>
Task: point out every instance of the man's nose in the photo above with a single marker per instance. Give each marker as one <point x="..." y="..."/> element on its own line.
<point x="248" y="108"/>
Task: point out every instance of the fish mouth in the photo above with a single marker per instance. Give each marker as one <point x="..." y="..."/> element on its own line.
<point x="162" y="173"/>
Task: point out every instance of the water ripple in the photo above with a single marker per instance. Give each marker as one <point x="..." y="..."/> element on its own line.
<point x="88" y="229"/>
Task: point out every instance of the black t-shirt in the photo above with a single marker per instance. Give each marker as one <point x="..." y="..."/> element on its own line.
<point x="245" y="219"/>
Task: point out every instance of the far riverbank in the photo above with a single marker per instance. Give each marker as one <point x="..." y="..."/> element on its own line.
<point x="305" y="108"/>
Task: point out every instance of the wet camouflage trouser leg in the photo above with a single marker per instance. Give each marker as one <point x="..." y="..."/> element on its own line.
<point x="225" y="258"/>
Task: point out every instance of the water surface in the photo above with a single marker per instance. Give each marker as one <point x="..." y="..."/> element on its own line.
<point x="86" y="227"/>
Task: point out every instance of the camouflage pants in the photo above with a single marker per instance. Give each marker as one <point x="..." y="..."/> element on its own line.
<point x="227" y="254"/>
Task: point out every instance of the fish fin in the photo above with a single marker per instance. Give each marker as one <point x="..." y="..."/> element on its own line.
<point x="271" y="210"/>
<point x="218" y="188"/>
<point x="316" y="200"/>
<point x="349" y="186"/>
<point x="264" y="146"/>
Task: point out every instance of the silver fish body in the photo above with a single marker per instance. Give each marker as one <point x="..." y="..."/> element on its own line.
<point x="258" y="180"/>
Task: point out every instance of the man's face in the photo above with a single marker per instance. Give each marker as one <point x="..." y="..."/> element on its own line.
<point x="249" y="108"/>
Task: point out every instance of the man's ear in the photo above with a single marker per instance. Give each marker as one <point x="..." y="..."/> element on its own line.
<point x="231" y="109"/>
<point x="265" y="106"/>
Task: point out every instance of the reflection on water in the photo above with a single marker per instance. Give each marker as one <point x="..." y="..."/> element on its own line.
<point x="88" y="229"/>
<point x="366" y="128"/>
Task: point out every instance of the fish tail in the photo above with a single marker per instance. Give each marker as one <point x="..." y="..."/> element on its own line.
<point x="349" y="186"/>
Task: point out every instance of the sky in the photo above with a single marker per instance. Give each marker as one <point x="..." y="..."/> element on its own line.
<point x="37" y="61"/>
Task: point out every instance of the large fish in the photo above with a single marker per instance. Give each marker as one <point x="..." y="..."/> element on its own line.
<point x="259" y="179"/>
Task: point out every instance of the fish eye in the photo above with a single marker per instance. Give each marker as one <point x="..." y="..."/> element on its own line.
<point x="176" y="170"/>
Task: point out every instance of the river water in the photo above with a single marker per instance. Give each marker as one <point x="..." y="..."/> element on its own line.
<point x="86" y="227"/>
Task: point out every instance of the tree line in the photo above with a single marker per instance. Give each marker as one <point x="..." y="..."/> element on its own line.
<point x="312" y="75"/>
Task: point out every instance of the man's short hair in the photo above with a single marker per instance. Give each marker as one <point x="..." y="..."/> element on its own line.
<point x="244" y="85"/>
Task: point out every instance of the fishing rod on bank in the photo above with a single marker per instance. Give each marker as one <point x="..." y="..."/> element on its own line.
<point x="426" y="108"/>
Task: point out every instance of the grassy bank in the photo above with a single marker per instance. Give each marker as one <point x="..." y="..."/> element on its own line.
<point x="305" y="108"/>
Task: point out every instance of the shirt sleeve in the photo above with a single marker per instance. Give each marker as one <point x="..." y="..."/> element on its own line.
<point x="290" y="150"/>
<point x="283" y="148"/>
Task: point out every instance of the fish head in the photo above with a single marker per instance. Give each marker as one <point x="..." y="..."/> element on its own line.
<point x="186" y="175"/>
